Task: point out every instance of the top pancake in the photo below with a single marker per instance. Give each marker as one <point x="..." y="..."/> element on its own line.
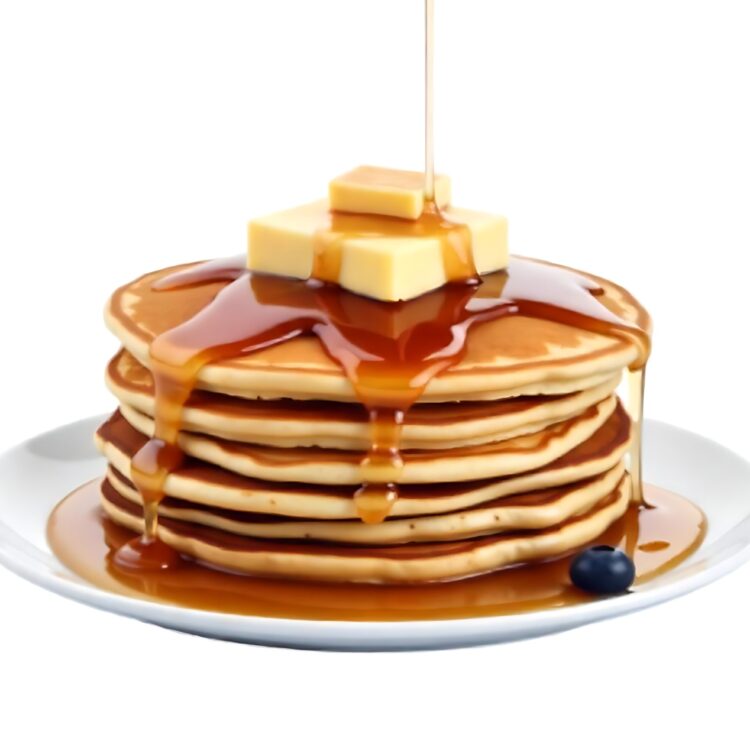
<point x="506" y="357"/>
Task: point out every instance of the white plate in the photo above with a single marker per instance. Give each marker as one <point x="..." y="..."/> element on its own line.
<point x="35" y="475"/>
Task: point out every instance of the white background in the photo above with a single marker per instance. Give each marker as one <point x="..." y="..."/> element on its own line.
<point x="139" y="134"/>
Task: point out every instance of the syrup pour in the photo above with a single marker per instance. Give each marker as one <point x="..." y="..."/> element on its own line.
<point x="429" y="55"/>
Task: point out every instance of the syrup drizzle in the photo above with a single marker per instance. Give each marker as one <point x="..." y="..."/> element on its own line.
<point x="389" y="351"/>
<point x="221" y="269"/>
<point x="454" y="238"/>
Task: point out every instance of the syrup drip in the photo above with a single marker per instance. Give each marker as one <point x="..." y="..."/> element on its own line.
<point x="161" y="455"/>
<point x="389" y="351"/>
<point x="636" y="387"/>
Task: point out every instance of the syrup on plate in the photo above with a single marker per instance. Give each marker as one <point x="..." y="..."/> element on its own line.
<point x="657" y="535"/>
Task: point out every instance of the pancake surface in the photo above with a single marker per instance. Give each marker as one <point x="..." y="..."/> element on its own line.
<point x="514" y="355"/>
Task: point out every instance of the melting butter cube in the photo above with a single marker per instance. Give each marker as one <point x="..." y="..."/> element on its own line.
<point x="382" y="258"/>
<point x="283" y="243"/>
<point x="392" y="269"/>
<point x="386" y="192"/>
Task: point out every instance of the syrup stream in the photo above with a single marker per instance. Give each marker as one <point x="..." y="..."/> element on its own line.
<point x="429" y="45"/>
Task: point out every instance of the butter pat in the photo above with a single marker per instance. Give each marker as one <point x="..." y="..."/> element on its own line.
<point x="489" y="238"/>
<point x="284" y="243"/>
<point x="384" y="259"/>
<point x="385" y="192"/>
<point x="392" y="269"/>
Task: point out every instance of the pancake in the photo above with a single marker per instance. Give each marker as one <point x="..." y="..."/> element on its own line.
<point x="325" y="466"/>
<point x="327" y="424"/>
<point x="209" y="485"/>
<point x="506" y="357"/>
<point x="466" y="435"/>
<point x="416" y="562"/>
<point x="532" y="510"/>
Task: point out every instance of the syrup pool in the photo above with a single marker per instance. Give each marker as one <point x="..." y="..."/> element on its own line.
<point x="658" y="535"/>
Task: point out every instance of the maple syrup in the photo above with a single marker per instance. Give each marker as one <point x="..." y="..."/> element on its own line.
<point x="388" y="373"/>
<point x="657" y="535"/>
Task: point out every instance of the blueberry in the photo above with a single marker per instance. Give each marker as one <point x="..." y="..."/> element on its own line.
<point x="602" y="570"/>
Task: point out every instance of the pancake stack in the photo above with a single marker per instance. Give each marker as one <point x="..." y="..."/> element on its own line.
<point x="514" y="454"/>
